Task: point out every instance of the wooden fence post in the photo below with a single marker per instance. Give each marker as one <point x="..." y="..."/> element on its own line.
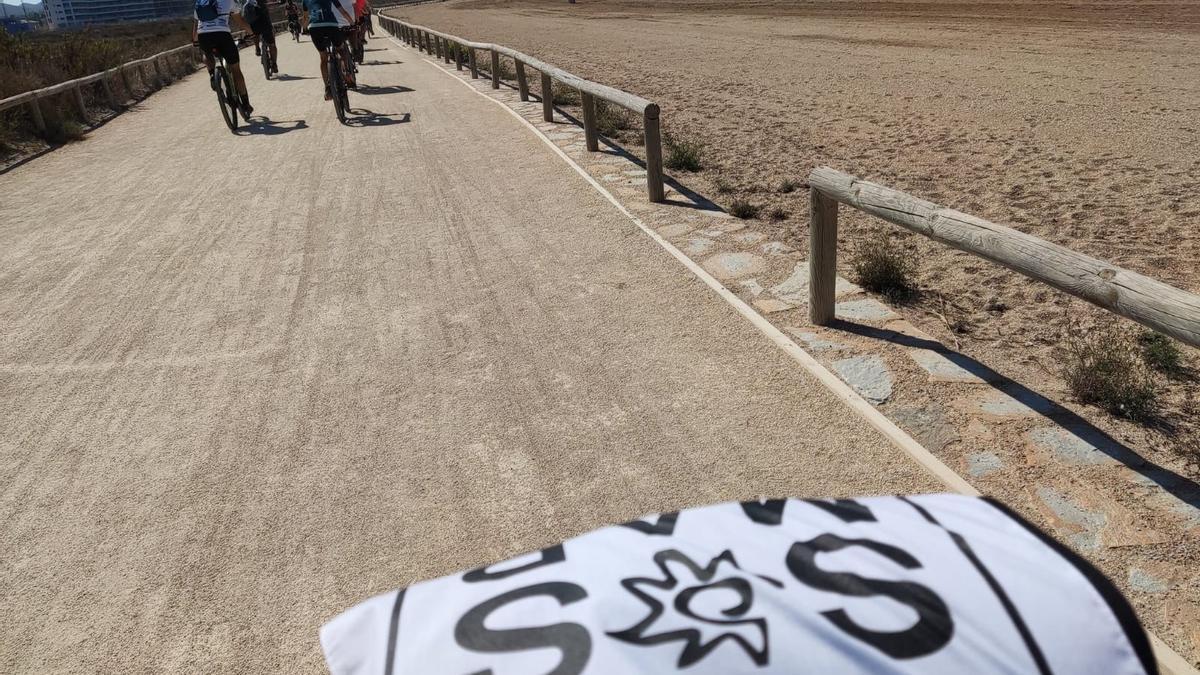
<point x="654" y="175"/>
<point x="158" y="74"/>
<point x="35" y="111"/>
<point x="495" y="69"/>
<point x="474" y="63"/>
<point x="822" y="257"/>
<point x="547" y="98"/>
<point x="125" y="81"/>
<point x="108" y="93"/>
<point x="457" y="56"/>
<point x="439" y="45"/>
<point x="446" y="51"/>
<point x="589" y="121"/>
<point x="522" y="83"/>
<point x="83" y="113"/>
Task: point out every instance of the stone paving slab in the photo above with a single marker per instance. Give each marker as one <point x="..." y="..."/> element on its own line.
<point x="1088" y="518"/>
<point x="726" y="266"/>
<point x="868" y="375"/>
<point x="794" y="289"/>
<point x="939" y="368"/>
<point x="865" y="310"/>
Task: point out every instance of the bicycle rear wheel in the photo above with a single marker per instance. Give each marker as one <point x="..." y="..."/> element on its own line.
<point x="266" y="60"/>
<point x="226" y="98"/>
<point x="338" y="80"/>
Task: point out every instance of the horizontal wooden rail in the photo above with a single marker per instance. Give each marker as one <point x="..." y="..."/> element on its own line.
<point x="1164" y="308"/>
<point x="432" y="41"/>
<point x="103" y="77"/>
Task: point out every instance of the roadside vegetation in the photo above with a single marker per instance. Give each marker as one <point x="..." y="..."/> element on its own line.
<point x="883" y="266"/>
<point x="1106" y="367"/>
<point x="35" y="60"/>
<point x="683" y="154"/>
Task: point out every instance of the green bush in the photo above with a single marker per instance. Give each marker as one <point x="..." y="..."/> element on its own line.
<point x="1160" y="353"/>
<point x="743" y="209"/>
<point x="1104" y="367"/>
<point x="882" y="267"/>
<point x="683" y="154"/>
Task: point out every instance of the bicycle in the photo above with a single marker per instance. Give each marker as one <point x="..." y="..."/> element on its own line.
<point x="228" y="97"/>
<point x="337" y="81"/>
<point x="265" y="58"/>
<point x="294" y="27"/>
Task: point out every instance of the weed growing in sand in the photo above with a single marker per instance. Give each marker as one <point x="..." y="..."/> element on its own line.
<point x="1160" y="353"/>
<point x="723" y="186"/>
<point x="788" y="186"/>
<point x="683" y="154"/>
<point x="1104" y="367"/>
<point x="564" y="95"/>
<point x="743" y="209"/>
<point x="777" y="214"/>
<point x="611" y="119"/>
<point x="883" y="267"/>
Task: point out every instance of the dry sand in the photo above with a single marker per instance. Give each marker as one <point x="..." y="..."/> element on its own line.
<point x="1076" y="122"/>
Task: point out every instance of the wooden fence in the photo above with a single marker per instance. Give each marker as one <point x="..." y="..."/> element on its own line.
<point x="104" y="78"/>
<point x="450" y="47"/>
<point x="1151" y="303"/>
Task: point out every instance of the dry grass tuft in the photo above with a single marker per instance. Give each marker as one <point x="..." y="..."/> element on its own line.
<point x="1104" y="367"/>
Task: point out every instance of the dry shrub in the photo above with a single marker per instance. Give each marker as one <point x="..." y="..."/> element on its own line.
<point x="788" y="186"/>
<point x="564" y="95"/>
<point x="612" y="120"/>
<point x="777" y="214"/>
<point x="883" y="267"/>
<point x="683" y="154"/>
<point x="1160" y="353"/>
<point x="1104" y="367"/>
<point x="743" y="209"/>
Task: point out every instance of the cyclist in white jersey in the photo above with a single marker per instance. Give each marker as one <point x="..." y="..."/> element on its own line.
<point x="212" y="34"/>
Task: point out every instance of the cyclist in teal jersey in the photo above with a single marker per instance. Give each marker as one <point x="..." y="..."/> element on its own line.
<point x="325" y="31"/>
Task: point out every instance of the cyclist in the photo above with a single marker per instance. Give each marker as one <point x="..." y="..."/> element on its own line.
<point x="293" y="16"/>
<point x="346" y="20"/>
<point x="211" y="34"/>
<point x="256" y="14"/>
<point x="324" y="19"/>
<point x="367" y="17"/>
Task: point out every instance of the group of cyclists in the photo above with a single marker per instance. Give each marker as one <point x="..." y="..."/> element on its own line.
<point x="343" y="25"/>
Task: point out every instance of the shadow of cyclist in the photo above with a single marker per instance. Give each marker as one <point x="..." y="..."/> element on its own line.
<point x="367" y="118"/>
<point x="265" y="126"/>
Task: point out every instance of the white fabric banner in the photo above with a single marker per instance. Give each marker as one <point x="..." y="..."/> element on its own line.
<point x="922" y="584"/>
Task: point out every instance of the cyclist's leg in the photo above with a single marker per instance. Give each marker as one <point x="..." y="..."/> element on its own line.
<point x="269" y="37"/>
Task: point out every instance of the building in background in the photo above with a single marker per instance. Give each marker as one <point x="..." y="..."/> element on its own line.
<point x="77" y="13"/>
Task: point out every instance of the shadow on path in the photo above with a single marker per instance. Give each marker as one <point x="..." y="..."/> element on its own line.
<point x="1070" y="423"/>
<point x="366" y="118"/>
<point x="261" y="125"/>
<point x="372" y="90"/>
<point x="290" y="78"/>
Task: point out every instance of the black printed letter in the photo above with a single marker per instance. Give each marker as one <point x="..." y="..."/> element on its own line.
<point x="571" y="638"/>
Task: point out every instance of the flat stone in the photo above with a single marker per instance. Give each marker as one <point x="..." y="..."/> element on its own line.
<point x="978" y="431"/>
<point x="927" y="423"/>
<point x="868" y="375"/>
<point x="611" y="178"/>
<point x="998" y="406"/>
<point x="771" y="305"/>
<point x="905" y="328"/>
<point x="865" y="310"/>
<point x="776" y="248"/>
<point x="672" y="231"/>
<point x="698" y="246"/>
<point x="1188" y="514"/>
<point x="1090" y="519"/>
<point x="941" y="369"/>
<point x="753" y="287"/>
<point x="749" y="237"/>
<point x="813" y="341"/>
<point x="732" y="265"/>
<point x="635" y="172"/>
<point x="794" y="289"/>
<point x="1144" y="582"/>
<point x="1080" y="526"/>
<point x="712" y="233"/>
<point x="980" y="464"/>
<point x="1076" y="445"/>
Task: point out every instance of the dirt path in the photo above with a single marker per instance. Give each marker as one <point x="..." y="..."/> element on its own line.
<point x="249" y="381"/>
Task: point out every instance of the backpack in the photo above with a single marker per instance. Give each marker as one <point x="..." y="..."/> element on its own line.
<point x="251" y="11"/>
<point x="207" y="10"/>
